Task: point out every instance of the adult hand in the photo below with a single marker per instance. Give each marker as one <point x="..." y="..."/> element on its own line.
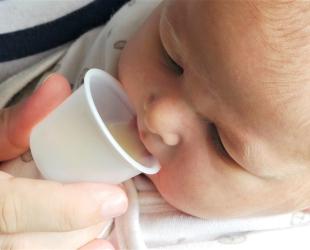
<point x="41" y="214"/>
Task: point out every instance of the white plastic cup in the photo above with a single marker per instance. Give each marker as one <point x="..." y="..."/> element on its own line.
<point x="74" y="143"/>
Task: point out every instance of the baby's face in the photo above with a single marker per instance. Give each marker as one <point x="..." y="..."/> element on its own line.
<point x="222" y="105"/>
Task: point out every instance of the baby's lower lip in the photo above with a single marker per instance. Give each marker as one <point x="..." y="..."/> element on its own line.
<point x="136" y="125"/>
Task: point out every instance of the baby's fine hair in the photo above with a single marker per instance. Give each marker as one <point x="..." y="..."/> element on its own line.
<point x="285" y="31"/>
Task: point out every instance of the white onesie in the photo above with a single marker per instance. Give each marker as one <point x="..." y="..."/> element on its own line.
<point x="150" y="222"/>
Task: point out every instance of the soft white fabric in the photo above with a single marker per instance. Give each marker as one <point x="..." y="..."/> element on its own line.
<point x="151" y="223"/>
<point x="21" y="21"/>
<point x="163" y="227"/>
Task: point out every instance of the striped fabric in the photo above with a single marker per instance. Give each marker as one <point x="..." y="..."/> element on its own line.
<point x="31" y="30"/>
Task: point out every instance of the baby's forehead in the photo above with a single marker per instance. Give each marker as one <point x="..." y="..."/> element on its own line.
<point x="243" y="29"/>
<point x="284" y="19"/>
<point x="226" y="39"/>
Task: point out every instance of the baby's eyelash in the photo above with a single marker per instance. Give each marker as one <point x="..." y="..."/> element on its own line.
<point x="216" y="139"/>
<point x="174" y="66"/>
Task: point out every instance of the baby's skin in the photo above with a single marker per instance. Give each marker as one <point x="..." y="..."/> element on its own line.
<point x="222" y="95"/>
<point x="221" y="90"/>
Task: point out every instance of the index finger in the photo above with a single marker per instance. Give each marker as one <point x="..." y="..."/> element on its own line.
<point x="16" y="122"/>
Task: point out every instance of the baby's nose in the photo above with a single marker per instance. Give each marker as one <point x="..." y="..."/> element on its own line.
<point x="166" y="116"/>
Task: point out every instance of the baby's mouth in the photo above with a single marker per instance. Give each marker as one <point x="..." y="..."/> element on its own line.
<point x="150" y="141"/>
<point x="134" y="124"/>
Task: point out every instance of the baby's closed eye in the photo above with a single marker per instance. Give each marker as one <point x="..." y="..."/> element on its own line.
<point x="216" y="139"/>
<point x="171" y="63"/>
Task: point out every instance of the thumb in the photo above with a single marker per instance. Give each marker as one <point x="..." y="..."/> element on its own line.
<point x="16" y="122"/>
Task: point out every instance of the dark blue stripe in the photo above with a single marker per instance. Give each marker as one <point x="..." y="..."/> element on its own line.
<point x="46" y="36"/>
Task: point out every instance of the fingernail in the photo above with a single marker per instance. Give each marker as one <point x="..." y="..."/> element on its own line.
<point x="98" y="244"/>
<point x="48" y="76"/>
<point x="114" y="204"/>
<point x="110" y="247"/>
<point x="107" y="248"/>
<point x="44" y="80"/>
<point x="104" y="246"/>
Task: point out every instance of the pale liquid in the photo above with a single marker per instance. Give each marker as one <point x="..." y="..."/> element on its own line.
<point x="127" y="137"/>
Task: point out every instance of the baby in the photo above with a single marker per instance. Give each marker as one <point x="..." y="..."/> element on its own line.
<point x="220" y="91"/>
<point x="222" y="99"/>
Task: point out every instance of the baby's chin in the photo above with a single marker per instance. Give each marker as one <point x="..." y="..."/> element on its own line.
<point x="185" y="202"/>
<point x="193" y="199"/>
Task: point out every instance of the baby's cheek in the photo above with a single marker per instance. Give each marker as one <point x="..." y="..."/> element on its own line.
<point x="186" y="183"/>
<point x="200" y="184"/>
<point x="178" y="190"/>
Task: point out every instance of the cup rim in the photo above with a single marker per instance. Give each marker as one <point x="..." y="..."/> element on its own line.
<point x="153" y="169"/>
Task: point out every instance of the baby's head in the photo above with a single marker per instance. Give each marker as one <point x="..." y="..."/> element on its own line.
<point x="222" y="95"/>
